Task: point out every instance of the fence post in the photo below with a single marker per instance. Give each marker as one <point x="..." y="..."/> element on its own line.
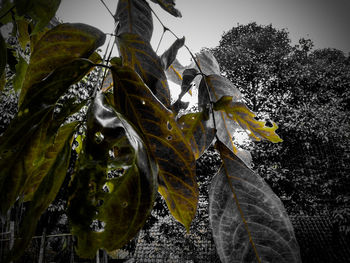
<point x="12" y="235"/>
<point x="42" y="246"/>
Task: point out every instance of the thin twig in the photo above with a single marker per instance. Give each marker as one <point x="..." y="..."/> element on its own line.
<point x="107" y="8"/>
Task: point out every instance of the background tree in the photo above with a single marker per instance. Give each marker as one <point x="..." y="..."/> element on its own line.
<point x="307" y="91"/>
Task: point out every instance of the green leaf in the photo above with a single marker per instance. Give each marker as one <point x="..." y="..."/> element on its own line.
<point x="199" y="131"/>
<point x="3" y="58"/>
<point x="22" y="145"/>
<point x="42" y="11"/>
<point x="240" y="113"/>
<point x="164" y="139"/>
<point x="21" y="69"/>
<point x="248" y="220"/>
<point x="170" y="54"/>
<point x="5" y="6"/>
<point x="126" y="205"/>
<point x="59" y="46"/>
<point x="48" y="91"/>
<point x="23" y="34"/>
<point x="53" y="170"/>
<point x="135" y="16"/>
<point x="169" y="6"/>
<point x="139" y="55"/>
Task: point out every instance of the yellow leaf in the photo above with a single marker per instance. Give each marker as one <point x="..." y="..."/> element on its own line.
<point x="240" y="113"/>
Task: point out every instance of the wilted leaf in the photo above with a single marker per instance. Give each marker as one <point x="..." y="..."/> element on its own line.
<point x="164" y="139"/>
<point x="139" y="55"/>
<point x="135" y="17"/>
<point x="248" y="220"/>
<point x="169" y="55"/>
<point x="126" y="205"/>
<point x="239" y="112"/>
<point x="42" y="11"/>
<point x="60" y="46"/>
<point x="169" y="6"/>
<point x="199" y="131"/>
<point x="53" y="170"/>
<point x="21" y="69"/>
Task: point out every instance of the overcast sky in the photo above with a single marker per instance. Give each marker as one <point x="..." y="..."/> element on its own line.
<point x="325" y="22"/>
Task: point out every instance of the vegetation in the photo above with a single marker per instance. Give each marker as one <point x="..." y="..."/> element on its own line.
<point x="133" y="142"/>
<point x="306" y="92"/>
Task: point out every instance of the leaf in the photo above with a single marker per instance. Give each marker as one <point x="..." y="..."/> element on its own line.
<point x="23" y="34"/>
<point x="169" y="6"/>
<point x="48" y="91"/>
<point x="164" y="139"/>
<point x="248" y="220"/>
<point x="22" y="145"/>
<point x="135" y="16"/>
<point x="126" y="205"/>
<point x="170" y="54"/>
<point x="199" y="131"/>
<point x="206" y="60"/>
<point x="5" y="6"/>
<point x="42" y="11"/>
<point x="187" y="79"/>
<point x="53" y="170"/>
<point x="219" y="86"/>
<point x="139" y="55"/>
<point x="240" y="113"/>
<point x="59" y="46"/>
<point x="3" y="58"/>
<point x="21" y="69"/>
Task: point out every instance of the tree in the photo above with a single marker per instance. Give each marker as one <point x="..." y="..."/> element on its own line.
<point x="134" y="144"/>
<point x="305" y="90"/>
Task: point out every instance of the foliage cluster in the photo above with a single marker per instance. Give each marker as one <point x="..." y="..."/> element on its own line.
<point x="134" y="144"/>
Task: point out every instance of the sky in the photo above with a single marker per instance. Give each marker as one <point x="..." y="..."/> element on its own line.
<point x="203" y="22"/>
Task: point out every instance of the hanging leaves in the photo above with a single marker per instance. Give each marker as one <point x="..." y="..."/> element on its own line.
<point x="24" y="143"/>
<point x="124" y="207"/>
<point x="248" y="220"/>
<point x="164" y="139"/>
<point x="135" y="16"/>
<point x="139" y="55"/>
<point x="53" y="170"/>
<point x="59" y="46"/>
